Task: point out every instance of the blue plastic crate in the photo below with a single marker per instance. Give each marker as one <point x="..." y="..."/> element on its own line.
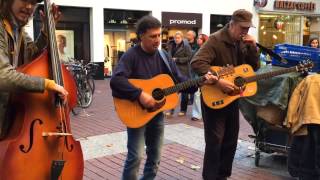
<point x="294" y="54"/>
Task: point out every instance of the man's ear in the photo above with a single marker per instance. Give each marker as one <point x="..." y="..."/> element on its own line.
<point x="139" y="35"/>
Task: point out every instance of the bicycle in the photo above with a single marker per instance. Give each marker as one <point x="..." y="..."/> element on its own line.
<point x="91" y="68"/>
<point x="83" y="75"/>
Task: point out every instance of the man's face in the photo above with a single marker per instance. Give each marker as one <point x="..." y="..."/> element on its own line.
<point x="22" y="10"/>
<point x="150" y="40"/>
<point x="239" y="30"/>
<point x="190" y="36"/>
<point x="177" y="38"/>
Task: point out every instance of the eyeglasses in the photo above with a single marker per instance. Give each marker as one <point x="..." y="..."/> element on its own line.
<point x="244" y="28"/>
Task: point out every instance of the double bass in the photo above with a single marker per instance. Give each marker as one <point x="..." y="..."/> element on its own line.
<point x="40" y="145"/>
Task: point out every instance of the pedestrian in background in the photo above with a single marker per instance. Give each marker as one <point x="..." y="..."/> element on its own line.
<point x="191" y="36"/>
<point x="181" y="53"/>
<point x="196" y="106"/>
<point x="314" y="42"/>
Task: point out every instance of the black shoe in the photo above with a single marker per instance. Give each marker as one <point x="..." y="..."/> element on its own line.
<point x="195" y="119"/>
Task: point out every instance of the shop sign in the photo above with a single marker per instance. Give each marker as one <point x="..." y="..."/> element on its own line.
<point x="172" y="19"/>
<point x="290" y="6"/>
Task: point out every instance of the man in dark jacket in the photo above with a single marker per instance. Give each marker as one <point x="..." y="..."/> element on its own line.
<point x="192" y="39"/>
<point x="144" y="61"/>
<point x="16" y="49"/>
<point x="191" y="36"/>
<point x="229" y="46"/>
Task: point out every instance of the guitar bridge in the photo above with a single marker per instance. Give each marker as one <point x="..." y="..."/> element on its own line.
<point x="216" y="103"/>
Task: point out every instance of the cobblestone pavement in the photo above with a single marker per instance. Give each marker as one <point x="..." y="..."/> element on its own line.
<point x="103" y="140"/>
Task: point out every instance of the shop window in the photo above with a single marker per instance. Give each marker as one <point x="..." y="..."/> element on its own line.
<point x="74" y="28"/>
<point x="119" y="35"/>
<point x="275" y="29"/>
<point x="218" y="21"/>
<point x="311" y="28"/>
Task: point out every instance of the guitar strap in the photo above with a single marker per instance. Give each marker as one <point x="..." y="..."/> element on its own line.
<point x="166" y="62"/>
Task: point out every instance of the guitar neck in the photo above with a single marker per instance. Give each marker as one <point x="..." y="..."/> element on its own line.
<point x="270" y="74"/>
<point x="183" y="86"/>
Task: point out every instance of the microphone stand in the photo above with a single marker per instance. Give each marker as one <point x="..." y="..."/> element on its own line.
<point x="272" y="54"/>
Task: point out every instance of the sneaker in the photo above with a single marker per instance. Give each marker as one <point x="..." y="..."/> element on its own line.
<point x="195" y="119"/>
<point x="181" y="113"/>
<point x="168" y="114"/>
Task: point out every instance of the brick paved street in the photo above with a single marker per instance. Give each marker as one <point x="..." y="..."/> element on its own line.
<point x="103" y="140"/>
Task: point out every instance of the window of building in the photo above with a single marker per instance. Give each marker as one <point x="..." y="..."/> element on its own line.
<point x="278" y="28"/>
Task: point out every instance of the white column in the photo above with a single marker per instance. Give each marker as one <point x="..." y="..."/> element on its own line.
<point x="255" y="20"/>
<point x="205" y="23"/>
<point x="97" y="34"/>
<point x="157" y="14"/>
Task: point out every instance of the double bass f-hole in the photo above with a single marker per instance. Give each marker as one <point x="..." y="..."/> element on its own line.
<point x="22" y="147"/>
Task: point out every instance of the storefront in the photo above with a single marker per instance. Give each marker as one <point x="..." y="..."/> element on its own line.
<point x="119" y="35"/>
<point x="90" y="24"/>
<point x="292" y="22"/>
<point x="74" y="28"/>
<point x="173" y="22"/>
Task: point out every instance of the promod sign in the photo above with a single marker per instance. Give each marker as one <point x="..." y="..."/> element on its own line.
<point x="185" y="20"/>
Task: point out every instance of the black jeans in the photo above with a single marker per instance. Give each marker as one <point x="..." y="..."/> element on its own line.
<point x="221" y="128"/>
<point x="184" y="102"/>
<point x="304" y="155"/>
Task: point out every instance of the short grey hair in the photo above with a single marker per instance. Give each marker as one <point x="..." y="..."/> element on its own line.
<point x="179" y="33"/>
<point x="193" y="33"/>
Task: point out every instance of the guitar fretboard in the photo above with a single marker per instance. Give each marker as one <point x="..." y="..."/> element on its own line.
<point x="270" y="74"/>
<point x="183" y="86"/>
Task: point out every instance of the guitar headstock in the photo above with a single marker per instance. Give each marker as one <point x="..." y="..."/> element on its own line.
<point x="304" y="66"/>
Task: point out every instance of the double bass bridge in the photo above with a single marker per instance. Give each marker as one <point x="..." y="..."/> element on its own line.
<point x="59" y="134"/>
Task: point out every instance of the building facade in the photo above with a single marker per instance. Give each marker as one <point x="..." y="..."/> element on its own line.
<point x="102" y="30"/>
<point x="287" y="21"/>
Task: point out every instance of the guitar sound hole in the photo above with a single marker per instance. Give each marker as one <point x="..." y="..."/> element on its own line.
<point x="239" y="81"/>
<point x="158" y="94"/>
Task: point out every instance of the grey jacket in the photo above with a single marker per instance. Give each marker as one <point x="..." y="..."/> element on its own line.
<point x="10" y="79"/>
<point x="221" y="50"/>
<point x="183" y="55"/>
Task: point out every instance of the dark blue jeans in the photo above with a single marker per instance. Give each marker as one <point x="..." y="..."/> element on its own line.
<point x="150" y="135"/>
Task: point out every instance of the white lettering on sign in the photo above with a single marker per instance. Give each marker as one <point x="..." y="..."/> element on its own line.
<point x="182" y="21"/>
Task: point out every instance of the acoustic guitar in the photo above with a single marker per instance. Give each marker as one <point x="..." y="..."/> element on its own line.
<point x="162" y="89"/>
<point x="244" y="79"/>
